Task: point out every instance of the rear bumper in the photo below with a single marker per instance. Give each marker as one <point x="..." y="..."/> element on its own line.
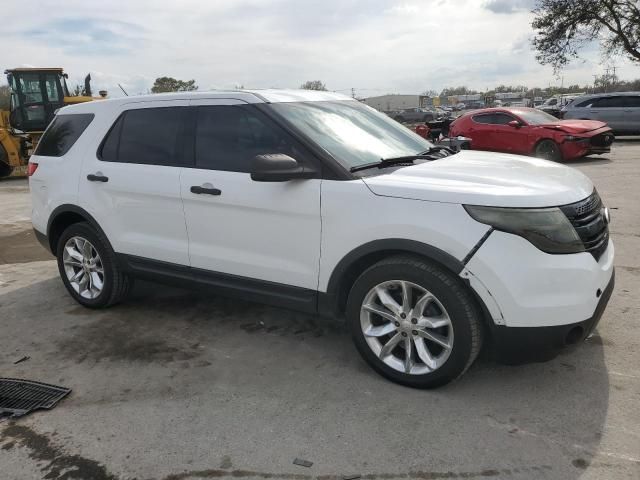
<point x="517" y="344"/>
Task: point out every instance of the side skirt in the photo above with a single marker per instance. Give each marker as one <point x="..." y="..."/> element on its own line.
<point x="259" y="291"/>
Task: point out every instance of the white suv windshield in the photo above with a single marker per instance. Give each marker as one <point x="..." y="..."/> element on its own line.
<point x="353" y="133"/>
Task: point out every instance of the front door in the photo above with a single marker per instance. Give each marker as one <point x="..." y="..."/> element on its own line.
<point x="267" y="231"/>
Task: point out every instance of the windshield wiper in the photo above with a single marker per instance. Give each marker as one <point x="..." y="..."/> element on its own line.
<point x="386" y="162"/>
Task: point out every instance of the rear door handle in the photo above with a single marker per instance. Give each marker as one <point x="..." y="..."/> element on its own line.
<point x="205" y="190"/>
<point x="97" y="178"/>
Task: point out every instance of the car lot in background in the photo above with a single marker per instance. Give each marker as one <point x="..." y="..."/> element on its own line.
<point x="553" y="105"/>
<point x="413" y="115"/>
<point x="176" y="384"/>
<point x="621" y="111"/>
<point x="528" y="131"/>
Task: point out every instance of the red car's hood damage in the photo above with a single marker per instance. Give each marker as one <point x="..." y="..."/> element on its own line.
<point x="576" y="126"/>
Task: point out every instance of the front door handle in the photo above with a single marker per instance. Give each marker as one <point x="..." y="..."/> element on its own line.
<point x="97" y="178"/>
<point x="205" y="190"/>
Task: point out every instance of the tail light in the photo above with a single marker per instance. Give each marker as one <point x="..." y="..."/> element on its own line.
<point x="31" y="168"/>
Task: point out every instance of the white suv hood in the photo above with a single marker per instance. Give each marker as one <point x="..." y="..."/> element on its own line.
<point x="485" y="178"/>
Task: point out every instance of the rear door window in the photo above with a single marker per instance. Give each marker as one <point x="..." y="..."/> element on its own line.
<point x="632" y="101"/>
<point x="483" y="118"/>
<point x="61" y="135"/>
<point x="152" y="136"/>
<point x="607" y="102"/>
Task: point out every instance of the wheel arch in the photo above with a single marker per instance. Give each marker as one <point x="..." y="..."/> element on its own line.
<point x="62" y="217"/>
<point x="333" y="302"/>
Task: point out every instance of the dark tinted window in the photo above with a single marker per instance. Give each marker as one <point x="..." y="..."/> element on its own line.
<point x="631" y="101"/>
<point x="484" y="118"/>
<point x="607" y="102"/>
<point x="584" y="103"/>
<point x="501" y="119"/>
<point x="493" y="118"/>
<point x="149" y="135"/>
<point x="228" y="137"/>
<point x="62" y="134"/>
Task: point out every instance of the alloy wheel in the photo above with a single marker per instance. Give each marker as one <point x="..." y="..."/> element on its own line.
<point x="406" y="327"/>
<point x="83" y="267"/>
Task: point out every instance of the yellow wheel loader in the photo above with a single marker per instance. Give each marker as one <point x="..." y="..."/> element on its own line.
<point x="36" y="94"/>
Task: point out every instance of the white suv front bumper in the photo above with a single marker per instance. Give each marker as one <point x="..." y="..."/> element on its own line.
<point x="525" y="287"/>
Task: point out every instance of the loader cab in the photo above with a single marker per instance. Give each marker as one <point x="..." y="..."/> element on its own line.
<point x="36" y="94"/>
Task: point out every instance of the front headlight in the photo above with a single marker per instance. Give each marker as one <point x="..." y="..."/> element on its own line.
<point x="573" y="138"/>
<point x="546" y="228"/>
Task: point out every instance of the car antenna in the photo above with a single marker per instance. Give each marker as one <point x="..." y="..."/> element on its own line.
<point x="123" y="90"/>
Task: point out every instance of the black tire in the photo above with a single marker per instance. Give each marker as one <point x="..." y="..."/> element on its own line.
<point x="548" y="150"/>
<point x="116" y="284"/>
<point x="399" y="119"/>
<point x="451" y="292"/>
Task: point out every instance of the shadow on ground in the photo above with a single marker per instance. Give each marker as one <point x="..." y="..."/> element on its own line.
<point x="180" y="385"/>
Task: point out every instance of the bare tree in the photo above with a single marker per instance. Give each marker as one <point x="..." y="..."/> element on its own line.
<point x="563" y="27"/>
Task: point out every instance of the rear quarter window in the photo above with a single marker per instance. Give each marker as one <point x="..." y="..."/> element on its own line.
<point x="62" y="134"/>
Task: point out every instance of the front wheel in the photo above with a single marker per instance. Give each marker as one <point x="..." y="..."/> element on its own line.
<point x="414" y="322"/>
<point x="549" y="150"/>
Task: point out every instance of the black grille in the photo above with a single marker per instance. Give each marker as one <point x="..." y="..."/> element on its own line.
<point x="587" y="217"/>
<point x="19" y="397"/>
<point x="602" y="140"/>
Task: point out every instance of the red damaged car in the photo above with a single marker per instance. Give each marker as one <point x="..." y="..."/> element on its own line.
<point x="528" y="131"/>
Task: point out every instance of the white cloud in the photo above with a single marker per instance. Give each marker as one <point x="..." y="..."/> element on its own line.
<point x="375" y="46"/>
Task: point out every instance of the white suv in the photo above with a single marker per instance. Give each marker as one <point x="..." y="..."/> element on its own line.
<point x="314" y="201"/>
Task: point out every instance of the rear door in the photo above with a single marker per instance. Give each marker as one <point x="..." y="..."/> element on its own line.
<point x="479" y="130"/>
<point x="131" y="184"/>
<point x="609" y="110"/>
<point x="268" y="231"/>
<point x="631" y="114"/>
<point x="505" y="138"/>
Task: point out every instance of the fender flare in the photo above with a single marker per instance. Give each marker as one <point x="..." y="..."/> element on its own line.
<point x="70" y="208"/>
<point x="331" y="299"/>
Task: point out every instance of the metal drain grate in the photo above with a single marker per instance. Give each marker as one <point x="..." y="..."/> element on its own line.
<point x="19" y="397"/>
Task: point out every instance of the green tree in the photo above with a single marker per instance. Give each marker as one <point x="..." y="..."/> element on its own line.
<point x="454" y="91"/>
<point x="5" y="95"/>
<point x="169" y="84"/>
<point x="313" y="85"/>
<point x="563" y="27"/>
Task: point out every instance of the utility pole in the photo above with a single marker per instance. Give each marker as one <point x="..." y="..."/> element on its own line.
<point x="353" y="92"/>
<point x="614" y="79"/>
<point x="595" y="79"/>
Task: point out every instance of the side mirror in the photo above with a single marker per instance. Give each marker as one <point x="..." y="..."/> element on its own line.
<point x="514" y="124"/>
<point x="278" y="167"/>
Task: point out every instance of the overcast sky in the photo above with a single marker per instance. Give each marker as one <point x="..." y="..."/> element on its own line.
<point x="374" y="46"/>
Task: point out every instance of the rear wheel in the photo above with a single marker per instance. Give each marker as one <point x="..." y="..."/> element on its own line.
<point x="399" y="119"/>
<point x="549" y="150"/>
<point x="414" y="322"/>
<point x="89" y="269"/>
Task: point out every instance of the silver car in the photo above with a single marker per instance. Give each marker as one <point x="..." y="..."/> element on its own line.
<point x="621" y="110"/>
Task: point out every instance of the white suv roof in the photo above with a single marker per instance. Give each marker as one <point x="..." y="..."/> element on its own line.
<point x="249" y="96"/>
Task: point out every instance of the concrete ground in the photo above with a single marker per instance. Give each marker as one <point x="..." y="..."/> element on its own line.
<point x="175" y="385"/>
